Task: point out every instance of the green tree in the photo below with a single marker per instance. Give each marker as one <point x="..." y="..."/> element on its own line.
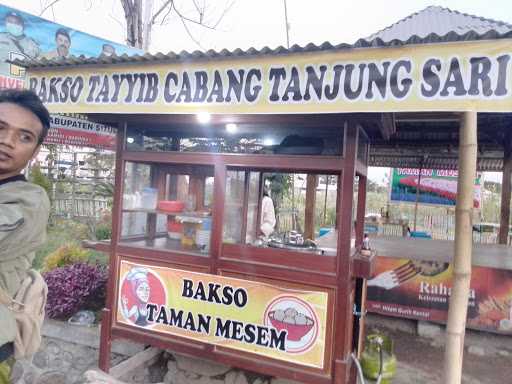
<point x="37" y="177"/>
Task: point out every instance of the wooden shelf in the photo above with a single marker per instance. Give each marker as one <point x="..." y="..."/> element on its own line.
<point x="160" y="212"/>
<point x="100" y="246"/>
<point x="143" y="210"/>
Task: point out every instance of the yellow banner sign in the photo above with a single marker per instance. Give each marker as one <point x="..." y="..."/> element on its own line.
<point x="250" y="316"/>
<point x="437" y="77"/>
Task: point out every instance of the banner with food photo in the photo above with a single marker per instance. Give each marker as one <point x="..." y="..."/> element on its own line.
<point x="250" y="316"/>
<point x="438" y="187"/>
<point x="420" y="290"/>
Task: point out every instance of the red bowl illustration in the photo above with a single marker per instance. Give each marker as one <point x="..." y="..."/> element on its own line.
<point x="295" y="331"/>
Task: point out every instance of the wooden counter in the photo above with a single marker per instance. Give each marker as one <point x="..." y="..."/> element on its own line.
<point x="496" y="256"/>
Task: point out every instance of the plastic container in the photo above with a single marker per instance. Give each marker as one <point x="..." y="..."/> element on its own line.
<point x="171" y="206"/>
<point x="206" y="224"/>
<point x="129" y="201"/>
<point x="173" y="226"/>
<point x="149" y="198"/>
<point x="174" y="235"/>
<point x="203" y="239"/>
<point x="188" y="239"/>
<point x="421" y="234"/>
<point x="323" y="231"/>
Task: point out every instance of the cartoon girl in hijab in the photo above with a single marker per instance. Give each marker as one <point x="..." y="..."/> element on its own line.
<point x="139" y="283"/>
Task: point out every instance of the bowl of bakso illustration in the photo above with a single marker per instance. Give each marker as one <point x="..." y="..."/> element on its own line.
<point x="295" y="323"/>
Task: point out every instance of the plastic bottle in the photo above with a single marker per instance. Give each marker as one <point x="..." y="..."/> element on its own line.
<point x="148" y="198"/>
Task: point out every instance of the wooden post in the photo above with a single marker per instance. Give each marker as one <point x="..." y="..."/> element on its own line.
<point x="505" y="190"/>
<point x="327" y="178"/>
<point x="458" y="306"/>
<point x="345" y="294"/>
<point x="117" y="220"/>
<point x="245" y="206"/>
<point x="74" y="205"/>
<point x="361" y="204"/>
<point x="309" y="219"/>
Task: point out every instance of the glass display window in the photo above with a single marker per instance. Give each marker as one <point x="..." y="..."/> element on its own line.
<point x="280" y="210"/>
<point x="167" y="207"/>
<point x="255" y="139"/>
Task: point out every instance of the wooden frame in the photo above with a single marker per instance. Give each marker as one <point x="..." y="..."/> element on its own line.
<point x="331" y="274"/>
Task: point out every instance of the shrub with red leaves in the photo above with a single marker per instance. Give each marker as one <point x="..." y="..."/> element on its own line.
<point x="75" y="287"/>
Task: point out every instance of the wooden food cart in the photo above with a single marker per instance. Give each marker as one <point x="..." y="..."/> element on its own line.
<point x="197" y="135"/>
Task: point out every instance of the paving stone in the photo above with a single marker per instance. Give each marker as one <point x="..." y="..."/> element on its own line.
<point x="504" y="353"/>
<point x="40" y="359"/>
<point x="17" y="372"/>
<point x="241" y="379"/>
<point x="200" y="367"/>
<point x="30" y="377"/>
<point x="230" y="377"/>
<point x="430" y="330"/>
<point x="52" y="378"/>
<point x="476" y="350"/>
<point x="283" y="381"/>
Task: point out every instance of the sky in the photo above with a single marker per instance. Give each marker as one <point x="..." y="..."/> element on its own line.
<point x="258" y="23"/>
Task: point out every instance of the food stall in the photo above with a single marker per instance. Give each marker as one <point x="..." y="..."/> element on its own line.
<point x="192" y="267"/>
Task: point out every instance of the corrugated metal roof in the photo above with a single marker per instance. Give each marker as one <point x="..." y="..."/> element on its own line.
<point x="438" y="22"/>
<point x="483" y="164"/>
<point x="431" y="25"/>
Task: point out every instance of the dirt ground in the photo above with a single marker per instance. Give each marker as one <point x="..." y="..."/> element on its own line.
<point x="420" y="361"/>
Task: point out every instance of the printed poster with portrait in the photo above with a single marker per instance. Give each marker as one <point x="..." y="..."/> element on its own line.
<point x="25" y="36"/>
<point x="255" y="317"/>
<point x="418" y="289"/>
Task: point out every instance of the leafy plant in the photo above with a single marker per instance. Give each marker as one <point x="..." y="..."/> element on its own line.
<point x="103" y="232"/>
<point x="65" y="255"/>
<point x="75" y="287"/>
<point x="37" y="177"/>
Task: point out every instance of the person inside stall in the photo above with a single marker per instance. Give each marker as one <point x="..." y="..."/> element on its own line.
<point x="268" y="215"/>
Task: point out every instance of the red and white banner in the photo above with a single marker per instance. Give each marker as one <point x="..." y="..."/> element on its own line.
<point x="73" y="131"/>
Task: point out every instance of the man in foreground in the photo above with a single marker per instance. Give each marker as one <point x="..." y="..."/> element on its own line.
<point x="24" y="208"/>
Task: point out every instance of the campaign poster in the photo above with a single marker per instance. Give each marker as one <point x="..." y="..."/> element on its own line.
<point x="250" y="316"/>
<point x="436" y="186"/>
<point x="417" y="289"/>
<point x="25" y="36"/>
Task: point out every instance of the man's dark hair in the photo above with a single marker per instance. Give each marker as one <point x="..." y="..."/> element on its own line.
<point x="63" y="32"/>
<point x="29" y="100"/>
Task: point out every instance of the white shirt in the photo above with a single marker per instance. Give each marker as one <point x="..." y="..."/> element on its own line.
<point x="268" y="216"/>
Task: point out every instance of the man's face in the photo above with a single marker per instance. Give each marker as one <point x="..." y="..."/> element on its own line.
<point x="14" y="25"/>
<point x="108" y="50"/>
<point x="20" y="130"/>
<point x="63" y="45"/>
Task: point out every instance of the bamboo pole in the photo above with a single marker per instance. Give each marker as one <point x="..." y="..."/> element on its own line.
<point x="458" y="306"/>
<point x="506" y="191"/>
